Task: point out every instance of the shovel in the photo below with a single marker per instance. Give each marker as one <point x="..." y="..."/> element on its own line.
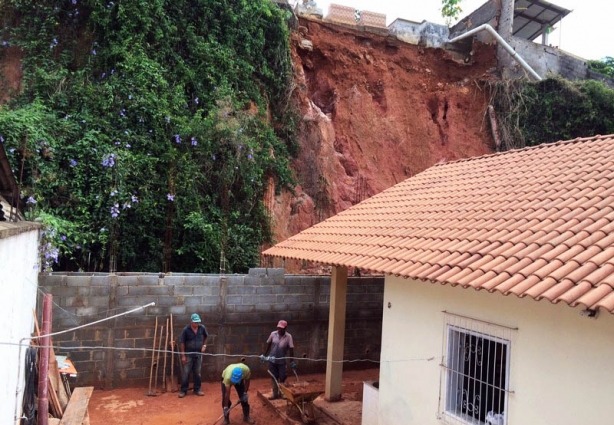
<point x="222" y="415"/>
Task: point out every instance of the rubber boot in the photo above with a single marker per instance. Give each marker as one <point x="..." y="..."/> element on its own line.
<point x="275" y="395"/>
<point x="246" y="417"/>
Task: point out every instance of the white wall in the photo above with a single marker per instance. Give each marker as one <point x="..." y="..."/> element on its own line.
<point x="561" y="363"/>
<point x="18" y="286"/>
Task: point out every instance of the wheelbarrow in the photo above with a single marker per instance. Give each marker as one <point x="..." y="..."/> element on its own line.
<point x="302" y="398"/>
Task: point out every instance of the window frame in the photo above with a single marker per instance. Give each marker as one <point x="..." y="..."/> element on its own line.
<point x="451" y="374"/>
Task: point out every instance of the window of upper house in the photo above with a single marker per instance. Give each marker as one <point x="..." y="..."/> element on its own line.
<point x="475" y="372"/>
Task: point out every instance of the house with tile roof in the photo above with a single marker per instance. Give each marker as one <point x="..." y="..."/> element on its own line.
<point x="499" y="287"/>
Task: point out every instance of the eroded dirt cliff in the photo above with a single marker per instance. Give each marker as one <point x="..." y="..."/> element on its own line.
<point x="375" y="112"/>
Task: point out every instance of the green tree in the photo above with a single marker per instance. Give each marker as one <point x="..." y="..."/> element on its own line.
<point x="146" y="131"/>
<point x="451" y="10"/>
<point x="604" y="66"/>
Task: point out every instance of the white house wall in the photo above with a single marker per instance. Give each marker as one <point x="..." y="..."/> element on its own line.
<point x="18" y="286"/>
<point x="560" y="366"/>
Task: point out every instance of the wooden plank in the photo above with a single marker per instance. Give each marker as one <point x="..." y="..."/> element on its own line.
<point x="58" y="385"/>
<point x="76" y="411"/>
<point x="55" y="405"/>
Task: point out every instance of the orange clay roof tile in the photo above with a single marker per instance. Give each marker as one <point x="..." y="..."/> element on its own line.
<point x="536" y="222"/>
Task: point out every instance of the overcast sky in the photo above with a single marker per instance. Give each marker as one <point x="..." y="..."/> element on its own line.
<point x="585" y="32"/>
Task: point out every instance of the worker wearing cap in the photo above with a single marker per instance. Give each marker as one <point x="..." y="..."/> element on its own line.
<point x="192" y="343"/>
<point x="237" y="375"/>
<point x="279" y="345"/>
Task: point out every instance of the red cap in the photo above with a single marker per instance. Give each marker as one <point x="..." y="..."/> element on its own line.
<point x="282" y="324"/>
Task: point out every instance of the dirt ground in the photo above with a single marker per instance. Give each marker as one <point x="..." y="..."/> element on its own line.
<point x="132" y="406"/>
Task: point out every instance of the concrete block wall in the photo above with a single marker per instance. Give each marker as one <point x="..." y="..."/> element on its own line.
<point x="546" y="60"/>
<point x="239" y="311"/>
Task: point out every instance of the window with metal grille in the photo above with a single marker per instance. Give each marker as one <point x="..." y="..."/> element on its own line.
<point x="475" y="371"/>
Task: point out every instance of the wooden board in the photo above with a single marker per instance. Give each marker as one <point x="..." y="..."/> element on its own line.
<point x="55" y="404"/>
<point x="76" y="411"/>
<point x="56" y="381"/>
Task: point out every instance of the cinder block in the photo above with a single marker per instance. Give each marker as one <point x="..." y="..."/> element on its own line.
<point x="264" y="289"/>
<point x="282" y="289"/>
<point x="183" y="290"/>
<point x="234" y="299"/>
<point x="100" y="291"/>
<point x="252" y="281"/>
<point x="148" y="280"/>
<point x="159" y="290"/>
<point x="280" y="307"/>
<point x="52" y="280"/>
<point x="78" y="280"/>
<point x="138" y="290"/>
<point x="262" y="299"/>
<point x="241" y="290"/>
<point x="257" y="272"/>
<point x="124" y="343"/>
<point x="95" y="301"/>
<point x="64" y="291"/>
<point x="127" y="280"/>
<point x="128" y="301"/>
<point x="192" y="301"/>
<point x="86" y="311"/>
<point x="177" y="310"/>
<point x="166" y="301"/>
<point x="244" y="308"/>
<point x="201" y="290"/>
<point x="100" y="281"/>
<point x="235" y="280"/>
<point x="174" y="280"/>
<point x="157" y="310"/>
<point x="211" y="280"/>
<point x="193" y="281"/>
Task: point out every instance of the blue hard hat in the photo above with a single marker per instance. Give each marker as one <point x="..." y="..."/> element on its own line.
<point x="237" y="375"/>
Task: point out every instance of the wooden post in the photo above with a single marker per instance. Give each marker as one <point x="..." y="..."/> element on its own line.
<point x="173" y="388"/>
<point x="164" y="367"/>
<point x="336" y="333"/>
<point x="153" y="356"/>
<point x="158" y="362"/>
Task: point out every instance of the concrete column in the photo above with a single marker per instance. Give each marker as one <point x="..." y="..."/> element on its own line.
<point x="111" y="325"/>
<point x="505" y="29"/>
<point x="336" y="332"/>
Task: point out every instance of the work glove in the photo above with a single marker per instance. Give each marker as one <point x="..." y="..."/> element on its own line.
<point x="244" y="398"/>
<point x="293" y="365"/>
<point x="262" y="358"/>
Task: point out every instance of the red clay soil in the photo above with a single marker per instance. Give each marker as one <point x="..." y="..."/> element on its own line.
<point x="376" y="111"/>
<point x="132" y="406"/>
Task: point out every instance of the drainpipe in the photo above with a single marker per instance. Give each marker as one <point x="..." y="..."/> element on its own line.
<point x="503" y="43"/>
<point x="43" y="366"/>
